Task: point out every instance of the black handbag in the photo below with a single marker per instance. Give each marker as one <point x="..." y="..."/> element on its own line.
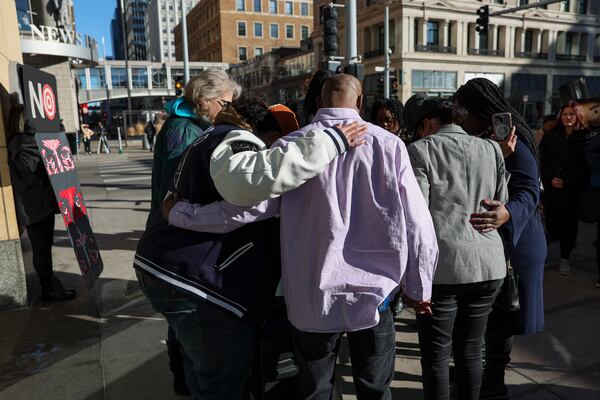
<point x="588" y="208"/>
<point x="508" y="298"/>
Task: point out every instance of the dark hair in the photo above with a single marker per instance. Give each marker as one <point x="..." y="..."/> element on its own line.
<point x="313" y="93"/>
<point x="482" y="98"/>
<point x="395" y="106"/>
<point x="410" y="108"/>
<point x="442" y="110"/>
<point x="256" y="113"/>
<point x="548" y="118"/>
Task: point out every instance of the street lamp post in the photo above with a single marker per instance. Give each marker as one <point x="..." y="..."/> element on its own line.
<point x="186" y="60"/>
<point x="386" y="49"/>
<point x="125" y="53"/>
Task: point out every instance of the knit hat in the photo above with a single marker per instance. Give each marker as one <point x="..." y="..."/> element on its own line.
<point x="286" y="119"/>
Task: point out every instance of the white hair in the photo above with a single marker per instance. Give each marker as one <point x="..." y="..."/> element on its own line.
<point x="210" y="84"/>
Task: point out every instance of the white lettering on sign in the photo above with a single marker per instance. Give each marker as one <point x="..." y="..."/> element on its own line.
<point x="52" y="34"/>
<point x="35" y="99"/>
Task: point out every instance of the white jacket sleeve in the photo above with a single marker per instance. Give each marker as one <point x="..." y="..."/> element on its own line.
<point x="246" y="178"/>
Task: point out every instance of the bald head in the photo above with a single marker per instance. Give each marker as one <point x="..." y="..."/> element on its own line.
<point x="342" y="91"/>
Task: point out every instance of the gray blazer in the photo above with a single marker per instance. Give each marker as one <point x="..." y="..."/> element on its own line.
<point x="455" y="172"/>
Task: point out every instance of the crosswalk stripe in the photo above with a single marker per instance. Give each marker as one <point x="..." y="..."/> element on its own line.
<point x="128" y="179"/>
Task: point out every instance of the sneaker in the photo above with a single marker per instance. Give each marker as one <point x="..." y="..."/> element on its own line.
<point x="55" y="291"/>
<point x="564" y="268"/>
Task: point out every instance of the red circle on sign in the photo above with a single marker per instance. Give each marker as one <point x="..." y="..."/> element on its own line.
<point x="49" y="102"/>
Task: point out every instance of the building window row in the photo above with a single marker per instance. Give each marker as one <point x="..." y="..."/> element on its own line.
<point x="257" y="7"/>
<point x="273" y="30"/>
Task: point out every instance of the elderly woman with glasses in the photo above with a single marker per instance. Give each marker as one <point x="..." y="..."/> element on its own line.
<point x="206" y="94"/>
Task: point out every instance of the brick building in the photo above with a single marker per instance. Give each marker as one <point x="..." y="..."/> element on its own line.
<point x="234" y="31"/>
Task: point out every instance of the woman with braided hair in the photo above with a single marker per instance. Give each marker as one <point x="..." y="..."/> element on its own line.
<point x="519" y="221"/>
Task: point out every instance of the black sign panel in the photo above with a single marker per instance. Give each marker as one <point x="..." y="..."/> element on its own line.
<point x="60" y="167"/>
<point x="39" y="95"/>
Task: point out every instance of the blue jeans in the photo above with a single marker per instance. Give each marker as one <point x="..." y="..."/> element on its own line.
<point x="372" y="352"/>
<point x="217" y="346"/>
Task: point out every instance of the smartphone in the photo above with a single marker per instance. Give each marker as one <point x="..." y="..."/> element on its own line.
<point x="502" y="123"/>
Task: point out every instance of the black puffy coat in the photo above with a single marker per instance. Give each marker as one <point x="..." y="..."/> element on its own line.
<point x="34" y="197"/>
<point x="563" y="157"/>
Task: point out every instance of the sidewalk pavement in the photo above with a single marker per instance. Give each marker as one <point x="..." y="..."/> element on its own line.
<point x="109" y="344"/>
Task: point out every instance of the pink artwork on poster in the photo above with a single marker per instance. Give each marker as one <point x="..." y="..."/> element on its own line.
<point x="58" y="159"/>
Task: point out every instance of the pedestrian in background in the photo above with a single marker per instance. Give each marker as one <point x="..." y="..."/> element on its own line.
<point x="35" y="202"/>
<point x="87" y="134"/>
<point x="150" y="131"/>
<point x="592" y="154"/>
<point x="565" y="174"/>
<point x="548" y="124"/>
<point x="387" y="114"/>
<point x="471" y="264"/>
<point x="521" y="226"/>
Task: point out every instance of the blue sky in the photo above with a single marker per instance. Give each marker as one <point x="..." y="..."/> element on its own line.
<point x="92" y="17"/>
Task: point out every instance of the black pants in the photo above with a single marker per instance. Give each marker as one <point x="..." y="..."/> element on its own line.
<point x="499" y="338"/>
<point x="457" y="326"/>
<point x="41" y="236"/>
<point x="87" y="146"/>
<point x="372" y="352"/>
<point x="562" y="224"/>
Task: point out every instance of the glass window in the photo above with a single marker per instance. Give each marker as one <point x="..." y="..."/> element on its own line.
<point x="139" y="78"/>
<point x="240" y="5"/>
<point x="304" y="9"/>
<point x="258" y="29"/>
<point x="523" y="2"/>
<point x="258" y="51"/>
<point x="257" y="5"/>
<point x="289" y="8"/>
<point x="565" y="5"/>
<point x="289" y="31"/>
<point x="97" y="78"/>
<point x="274" y="31"/>
<point x="82" y="79"/>
<point x="118" y="77"/>
<point x="432" y="33"/>
<point x="582" y="6"/>
<point x="242" y="53"/>
<point x="241" y="28"/>
<point x="159" y="78"/>
<point x="273" y="6"/>
<point x="436" y="80"/>
<point x="305" y="32"/>
<point x="528" y="41"/>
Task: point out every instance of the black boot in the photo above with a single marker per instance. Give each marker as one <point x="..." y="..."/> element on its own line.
<point x="53" y="290"/>
<point x="497" y="357"/>
<point x="176" y="364"/>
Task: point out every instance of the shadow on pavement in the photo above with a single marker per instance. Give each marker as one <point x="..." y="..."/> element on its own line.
<point x="46" y="334"/>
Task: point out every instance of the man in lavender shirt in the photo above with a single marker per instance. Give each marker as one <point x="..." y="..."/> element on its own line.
<point x="350" y="237"/>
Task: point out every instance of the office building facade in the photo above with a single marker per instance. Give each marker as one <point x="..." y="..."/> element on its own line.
<point x="235" y="31"/>
<point x="436" y="48"/>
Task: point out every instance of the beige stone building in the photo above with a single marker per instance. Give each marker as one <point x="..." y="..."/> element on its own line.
<point x="234" y="31"/>
<point x="436" y="48"/>
<point x="13" y="291"/>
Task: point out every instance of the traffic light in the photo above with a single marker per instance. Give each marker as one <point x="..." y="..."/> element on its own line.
<point x="393" y="87"/>
<point x="179" y="86"/>
<point x="380" y="86"/>
<point x="483" y="20"/>
<point x="330" y="31"/>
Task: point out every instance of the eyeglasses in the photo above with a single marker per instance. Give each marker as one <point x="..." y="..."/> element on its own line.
<point x="223" y="103"/>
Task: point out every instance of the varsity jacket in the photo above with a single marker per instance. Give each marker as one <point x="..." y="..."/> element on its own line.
<point x="237" y="271"/>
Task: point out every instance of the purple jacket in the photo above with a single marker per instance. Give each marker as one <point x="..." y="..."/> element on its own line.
<point x="349" y="236"/>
